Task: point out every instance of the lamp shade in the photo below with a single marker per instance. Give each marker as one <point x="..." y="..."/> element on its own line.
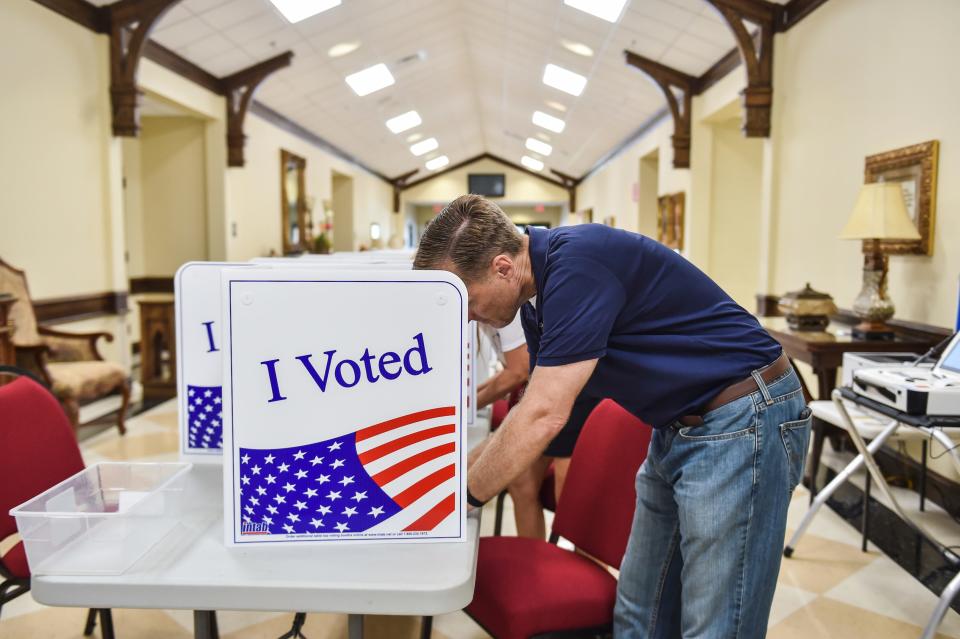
<point x="880" y="214"/>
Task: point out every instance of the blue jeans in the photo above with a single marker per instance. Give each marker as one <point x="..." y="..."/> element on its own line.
<point x="707" y="536"/>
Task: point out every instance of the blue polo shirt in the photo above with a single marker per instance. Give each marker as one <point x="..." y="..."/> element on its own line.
<point x="668" y="339"/>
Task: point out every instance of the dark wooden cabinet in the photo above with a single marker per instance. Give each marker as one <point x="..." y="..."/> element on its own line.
<point x="7" y="355"/>
<point x="158" y="347"/>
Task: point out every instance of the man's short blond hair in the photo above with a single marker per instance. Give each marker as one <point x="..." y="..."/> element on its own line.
<point x="466" y="236"/>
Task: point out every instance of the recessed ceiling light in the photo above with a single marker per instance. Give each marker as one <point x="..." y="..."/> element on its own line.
<point x="404" y="122"/>
<point x="548" y="122"/>
<point x="343" y="49"/>
<point x="424" y="147"/>
<point x="553" y="104"/>
<point x="577" y="47"/>
<point x="537" y="146"/>
<point x="531" y="163"/>
<point x="414" y="137"/>
<point x="370" y="79"/>
<point x="297" y="10"/>
<point x="563" y="79"/>
<point x="437" y="163"/>
<point x="608" y="10"/>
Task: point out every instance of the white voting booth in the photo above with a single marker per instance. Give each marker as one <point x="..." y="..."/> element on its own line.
<point x="346" y="428"/>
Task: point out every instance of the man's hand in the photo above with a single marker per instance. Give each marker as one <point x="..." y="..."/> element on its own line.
<point x="528" y="428"/>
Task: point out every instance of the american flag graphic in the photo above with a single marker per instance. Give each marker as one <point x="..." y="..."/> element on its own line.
<point x="400" y="471"/>
<point x="204" y="413"/>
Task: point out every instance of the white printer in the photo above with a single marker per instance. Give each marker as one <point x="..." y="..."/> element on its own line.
<point x="915" y="390"/>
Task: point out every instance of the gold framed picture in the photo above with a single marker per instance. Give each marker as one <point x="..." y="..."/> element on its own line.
<point x="915" y="169"/>
<point x="670" y="220"/>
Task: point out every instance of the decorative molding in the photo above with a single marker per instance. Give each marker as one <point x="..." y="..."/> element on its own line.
<point x="151" y="284"/>
<point x="240" y="87"/>
<point x="81" y="12"/>
<point x="77" y="307"/>
<point x="795" y="11"/>
<point x="291" y="127"/>
<point x="570" y="183"/>
<point x="757" y="58"/>
<point x="398" y="186"/>
<point x="678" y="89"/>
<point x="720" y="70"/>
<point x="130" y="24"/>
<point x="166" y="58"/>
<point x="477" y="158"/>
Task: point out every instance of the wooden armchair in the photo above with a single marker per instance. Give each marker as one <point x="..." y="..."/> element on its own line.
<point x="69" y="363"/>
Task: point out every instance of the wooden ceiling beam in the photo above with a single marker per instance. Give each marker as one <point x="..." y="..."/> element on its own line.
<point x="757" y="57"/>
<point x="678" y="89"/>
<point x="130" y="23"/>
<point x="239" y="88"/>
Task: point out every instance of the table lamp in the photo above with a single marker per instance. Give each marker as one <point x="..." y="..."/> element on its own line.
<point x="879" y="214"/>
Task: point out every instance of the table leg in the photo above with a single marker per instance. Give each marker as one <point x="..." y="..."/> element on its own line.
<point x="205" y="624"/>
<point x="945" y="600"/>
<point x="355" y="627"/>
<point x="826" y="382"/>
<point x="819" y="432"/>
<point x="832" y="487"/>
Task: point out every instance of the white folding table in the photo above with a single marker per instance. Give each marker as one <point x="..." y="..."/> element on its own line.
<point x="192" y="569"/>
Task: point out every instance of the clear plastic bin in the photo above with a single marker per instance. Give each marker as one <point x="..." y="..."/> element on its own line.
<point x="103" y="519"/>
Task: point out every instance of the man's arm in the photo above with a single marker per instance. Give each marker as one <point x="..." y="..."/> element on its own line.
<point x="515" y="372"/>
<point x="529" y="427"/>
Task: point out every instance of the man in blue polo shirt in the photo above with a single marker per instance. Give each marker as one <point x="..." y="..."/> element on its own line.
<point x="615" y="314"/>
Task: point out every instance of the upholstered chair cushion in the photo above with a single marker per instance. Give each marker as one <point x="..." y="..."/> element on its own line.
<point x="85" y="380"/>
<point x="21" y="313"/>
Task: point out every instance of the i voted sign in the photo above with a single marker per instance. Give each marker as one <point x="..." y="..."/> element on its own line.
<point x="344" y="405"/>
<point x="199" y="358"/>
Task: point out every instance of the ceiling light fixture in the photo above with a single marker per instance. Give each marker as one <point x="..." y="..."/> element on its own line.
<point x="577" y="47"/>
<point x="404" y="122"/>
<point x="297" y="10"/>
<point x="537" y="146"/>
<point x="564" y="79"/>
<point x="553" y="104"/>
<point x="426" y="146"/>
<point x="370" y="79"/>
<point x="531" y="163"/>
<point x="414" y="137"/>
<point x="608" y="10"/>
<point x="437" y="163"/>
<point x="548" y="122"/>
<point x="342" y="49"/>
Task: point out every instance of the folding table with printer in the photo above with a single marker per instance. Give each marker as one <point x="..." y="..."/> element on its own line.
<point x="904" y="397"/>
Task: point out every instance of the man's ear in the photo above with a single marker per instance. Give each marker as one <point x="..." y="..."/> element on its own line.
<point x="502" y="265"/>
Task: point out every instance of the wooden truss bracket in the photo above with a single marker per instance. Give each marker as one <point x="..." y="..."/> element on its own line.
<point x="130" y="24"/>
<point x="399" y="183"/>
<point x="570" y="183"/>
<point x="239" y="88"/>
<point x="757" y="56"/>
<point x="678" y="88"/>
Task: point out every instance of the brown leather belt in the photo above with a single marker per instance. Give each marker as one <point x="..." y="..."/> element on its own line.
<point x="739" y="389"/>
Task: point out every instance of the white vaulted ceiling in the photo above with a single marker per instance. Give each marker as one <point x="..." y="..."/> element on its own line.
<point x="472" y="69"/>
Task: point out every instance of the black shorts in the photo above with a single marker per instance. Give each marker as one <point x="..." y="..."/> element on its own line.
<point x="562" y="445"/>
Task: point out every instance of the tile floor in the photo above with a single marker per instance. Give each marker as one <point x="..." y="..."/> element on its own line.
<point x="828" y="589"/>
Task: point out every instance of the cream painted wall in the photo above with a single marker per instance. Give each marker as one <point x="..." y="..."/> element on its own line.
<point x="735" y="208"/>
<point x="253" y="191"/>
<point x="173" y="188"/>
<point x="855" y="78"/>
<point x="521" y="187"/>
<point x="55" y="178"/>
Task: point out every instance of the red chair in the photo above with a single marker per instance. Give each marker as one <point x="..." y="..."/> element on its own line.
<point x="37" y="450"/>
<point x="527" y="587"/>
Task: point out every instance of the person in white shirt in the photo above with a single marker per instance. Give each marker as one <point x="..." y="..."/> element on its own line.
<point x="509" y="345"/>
